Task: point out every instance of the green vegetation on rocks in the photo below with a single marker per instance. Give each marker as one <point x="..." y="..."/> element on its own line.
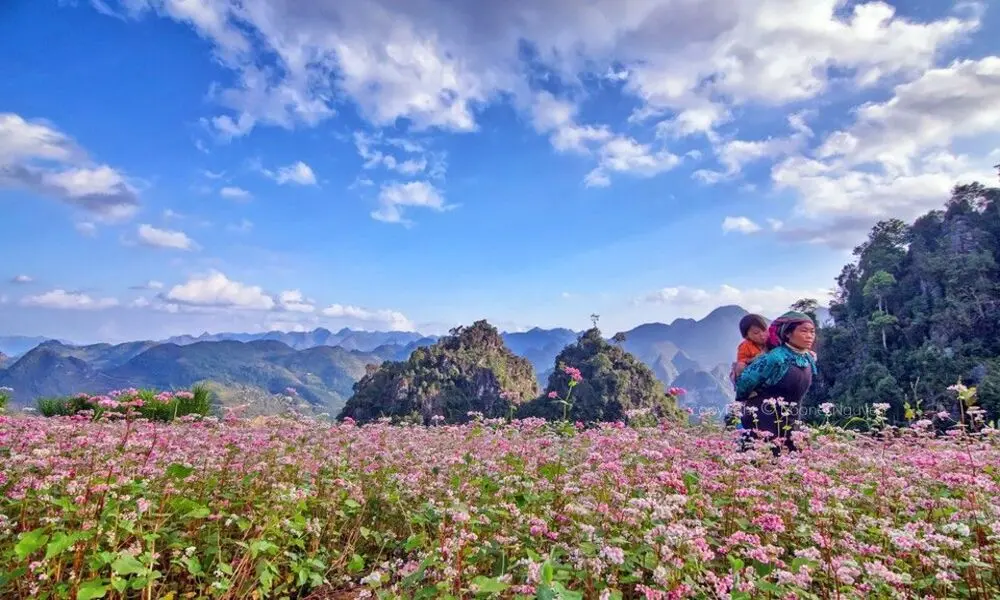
<point x="918" y="311"/>
<point x="614" y="385"/>
<point x="468" y="371"/>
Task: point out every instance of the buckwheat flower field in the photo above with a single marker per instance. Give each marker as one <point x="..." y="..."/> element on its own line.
<point x="299" y="508"/>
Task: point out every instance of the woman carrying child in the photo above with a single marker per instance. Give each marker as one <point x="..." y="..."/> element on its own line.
<point x="772" y="386"/>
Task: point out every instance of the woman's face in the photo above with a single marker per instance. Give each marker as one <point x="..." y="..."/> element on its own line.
<point x="803" y="337"/>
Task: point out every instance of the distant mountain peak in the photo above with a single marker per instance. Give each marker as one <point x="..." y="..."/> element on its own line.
<point x="51" y="344"/>
<point x="728" y="311"/>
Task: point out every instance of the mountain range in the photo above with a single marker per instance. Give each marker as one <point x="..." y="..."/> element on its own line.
<point x="322" y="365"/>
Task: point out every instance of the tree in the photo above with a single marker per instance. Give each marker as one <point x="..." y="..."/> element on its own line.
<point x="885" y="248"/>
<point x="807" y="306"/>
<point x="619" y="338"/>
<point x="878" y="285"/>
<point x="880" y="322"/>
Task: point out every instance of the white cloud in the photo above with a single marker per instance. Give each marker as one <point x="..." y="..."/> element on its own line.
<point x="217" y="290"/>
<point x="152" y="284"/>
<point x="165" y="238"/>
<point x="438" y="64"/>
<point x="767" y="301"/>
<point x="388" y="318"/>
<point x="86" y="228"/>
<point x="287" y="326"/>
<point x="394" y="196"/>
<point x="234" y="193"/>
<point x="212" y="174"/>
<point x="61" y="299"/>
<point x="244" y="226"/>
<point x="898" y="158"/>
<point x="400" y="155"/>
<point x="297" y="172"/>
<point x="739" y="224"/>
<point x="615" y="153"/>
<point x="625" y="155"/>
<point x="293" y="301"/>
<point x="22" y="279"/>
<point x="36" y="156"/>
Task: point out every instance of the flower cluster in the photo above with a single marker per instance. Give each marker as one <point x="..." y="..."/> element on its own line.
<point x="127" y="403"/>
<point x="276" y="507"/>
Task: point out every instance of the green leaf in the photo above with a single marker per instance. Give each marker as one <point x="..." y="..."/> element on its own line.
<point x="545" y="592"/>
<point x="356" y="563"/>
<point x="262" y="547"/>
<point x="94" y="588"/>
<point x="487" y="585"/>
<point x="179" y="471"/>
<point x="126" y="564"/>
<point x="59" y="544"/>
<point x="30" y="543"/>
<point x="763" y="570"/>
<point x="548" y="571"/>
<point x="194" y="566"/>
<point x="736" y="563"/>
<point x="198" y="512"/>
<point x="565" y="594"/>
<point x="352" y="503"/>
<point x="413" y="542"/>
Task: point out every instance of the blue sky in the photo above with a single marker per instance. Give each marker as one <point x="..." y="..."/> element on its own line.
<point x="174" y="166"/>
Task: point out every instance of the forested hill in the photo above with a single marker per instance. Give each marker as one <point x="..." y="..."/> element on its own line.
<point x="918" y="310"/>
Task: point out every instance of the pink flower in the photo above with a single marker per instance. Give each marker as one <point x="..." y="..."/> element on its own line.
<point x="574" y="373"/>
<point x="613" y="555"/>
<point x="677" y="391"/>
<point x="553" y="395"/>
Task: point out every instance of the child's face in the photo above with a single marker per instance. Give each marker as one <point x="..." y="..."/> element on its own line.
<point x="757" y="335"/>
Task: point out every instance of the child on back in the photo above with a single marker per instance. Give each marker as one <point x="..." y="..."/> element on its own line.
<point x="753" y="328"/>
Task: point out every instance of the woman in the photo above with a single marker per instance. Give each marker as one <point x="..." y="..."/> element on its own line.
<point x="771" y="388"/>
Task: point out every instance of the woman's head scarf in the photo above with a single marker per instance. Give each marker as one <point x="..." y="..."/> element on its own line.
<point x="784" y="325"/>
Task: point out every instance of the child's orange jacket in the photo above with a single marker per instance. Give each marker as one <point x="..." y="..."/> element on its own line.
<point x="748" y="351"/>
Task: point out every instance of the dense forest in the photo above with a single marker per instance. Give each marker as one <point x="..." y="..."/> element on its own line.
<point x="919" y="311"/>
